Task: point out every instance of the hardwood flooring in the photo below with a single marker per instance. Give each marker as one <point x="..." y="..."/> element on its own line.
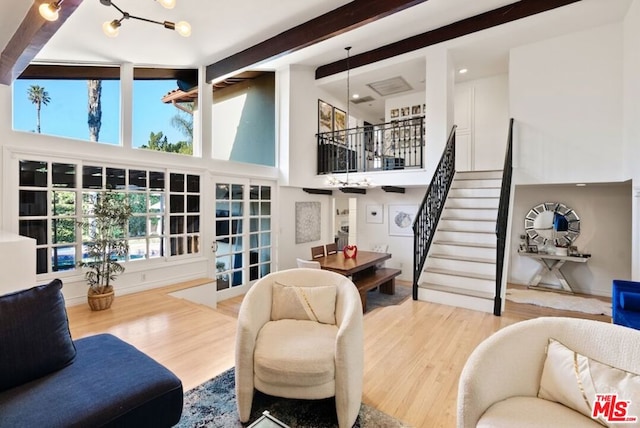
<point x="414" y="351"/>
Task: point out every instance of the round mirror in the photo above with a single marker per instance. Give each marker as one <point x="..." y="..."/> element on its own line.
<point x="552" y="222"/>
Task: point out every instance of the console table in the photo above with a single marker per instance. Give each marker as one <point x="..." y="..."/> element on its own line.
<point x="552" y="263"/>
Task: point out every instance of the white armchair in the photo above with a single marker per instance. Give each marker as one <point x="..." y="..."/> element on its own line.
<point x="328" y="357"/>
<point x="500" y="381"/>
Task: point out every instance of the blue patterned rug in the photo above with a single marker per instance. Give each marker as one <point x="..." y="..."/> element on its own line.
<point x="213" y="405"/>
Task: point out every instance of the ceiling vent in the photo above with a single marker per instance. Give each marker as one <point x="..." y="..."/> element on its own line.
<point x="361" y="100"/>
<point x="391" y="86"/>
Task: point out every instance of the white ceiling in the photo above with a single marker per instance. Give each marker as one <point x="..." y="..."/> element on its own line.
<point x="223" y="28"/>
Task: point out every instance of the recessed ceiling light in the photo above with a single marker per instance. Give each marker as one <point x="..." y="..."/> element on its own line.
<point x="355" y="96"/>
<point x="581" y="184"/>
<point x="462" y="70"/>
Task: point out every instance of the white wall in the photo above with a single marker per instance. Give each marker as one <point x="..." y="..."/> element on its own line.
<point x="287" y="248"/>
<point x="632" y="120"/>
<point x="566" y="97"/>
<point x="605" y="223"/>
<point x="482" y="116"/>
<point x="369" y="234"/>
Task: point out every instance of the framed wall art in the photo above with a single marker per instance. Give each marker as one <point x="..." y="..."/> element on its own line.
<point x="307" y="222"/>
<point x="325" y="117"/>
<point x="340" y="124"/>
<point x="401" y="219"/>
<point x="375" y="213"/>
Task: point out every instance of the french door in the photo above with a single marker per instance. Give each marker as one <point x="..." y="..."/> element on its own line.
<point x="243" y="234"/>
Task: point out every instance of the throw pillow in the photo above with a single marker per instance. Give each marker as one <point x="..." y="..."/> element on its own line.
<point x="577" y="381"/>
<point x="304" y="303"/>
<point x="34" y="334"/>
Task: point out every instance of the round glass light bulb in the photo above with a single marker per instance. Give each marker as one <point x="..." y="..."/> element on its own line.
<point x="49" y="11"/>
<point x="183" y="28"/>
<point x="167" y="4"/>
<point x="110" y="29"/>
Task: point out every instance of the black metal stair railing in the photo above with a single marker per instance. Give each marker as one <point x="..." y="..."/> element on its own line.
<point x="424" y="226"/>
<point x="503" y="220"/>
<point x="392" y="145"/>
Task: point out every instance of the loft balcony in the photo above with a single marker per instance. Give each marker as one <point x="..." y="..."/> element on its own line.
<point x="388" y="146"/>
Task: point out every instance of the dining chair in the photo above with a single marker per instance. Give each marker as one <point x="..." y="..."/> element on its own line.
<point x="332" y="248"/>
<point x="317" y="252"/>
<point x="308" y="264"/>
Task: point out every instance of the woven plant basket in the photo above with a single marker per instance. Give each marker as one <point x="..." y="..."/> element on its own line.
<point x="100" y="302"/>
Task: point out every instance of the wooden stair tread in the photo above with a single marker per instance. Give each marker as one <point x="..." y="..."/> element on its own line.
<point x="473" y="197"/>
<point x="462" y="274"/>
<point x="467" y="219"/>
<point x="447" y="229"/>
<point x="457" y="290"/>
<point x="463" y="258"/>
<point x="471" y="208"/>
<point x="465" y="244"/>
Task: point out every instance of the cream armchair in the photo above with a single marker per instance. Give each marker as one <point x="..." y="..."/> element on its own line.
<point x="500" y="381"/>
<point x="280" y="353"/>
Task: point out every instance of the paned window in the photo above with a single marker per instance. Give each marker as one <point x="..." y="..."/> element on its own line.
<point x="54" y="197"/>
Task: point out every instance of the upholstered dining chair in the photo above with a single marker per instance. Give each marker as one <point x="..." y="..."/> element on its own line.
<point x="308" y="264"/>
<point x="300" y="335"/>
<point x="332" y="248"/>
<point x="317" y="252"/>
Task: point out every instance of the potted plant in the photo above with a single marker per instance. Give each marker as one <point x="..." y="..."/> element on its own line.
<point x="108" y="214"/>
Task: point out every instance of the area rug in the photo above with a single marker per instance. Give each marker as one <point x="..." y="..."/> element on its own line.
<point x="560" y="301"/>
<point x="375" y="299"/>
<point x="213" y="405"/>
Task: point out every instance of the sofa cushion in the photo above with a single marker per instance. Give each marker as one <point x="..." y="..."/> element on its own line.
<point x="110" y="384"/>
<point x="34" y="334"/>
<point x="531" y="412"/>
<point x="316" y="303"/>
<point x="296" y="353"/>
<point x="575" y="380"/>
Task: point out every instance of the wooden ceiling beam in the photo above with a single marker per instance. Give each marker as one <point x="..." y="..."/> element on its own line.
<point x="345" y="18"/>
<point x="483" y="21"/>
<point x="32" y="34"/>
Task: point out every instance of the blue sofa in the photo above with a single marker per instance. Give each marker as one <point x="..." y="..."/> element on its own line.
<point x="625" y="303"/>
<point x="49" y="380"/>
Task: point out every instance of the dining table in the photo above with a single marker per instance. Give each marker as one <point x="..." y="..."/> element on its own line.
<point x="365" y="271"/>
<point x="361" y="265"/>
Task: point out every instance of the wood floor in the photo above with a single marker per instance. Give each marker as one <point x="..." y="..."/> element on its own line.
<point x="414" y="351"/>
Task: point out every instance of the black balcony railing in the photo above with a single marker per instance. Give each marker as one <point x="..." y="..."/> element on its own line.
<point x="393" y="145"/>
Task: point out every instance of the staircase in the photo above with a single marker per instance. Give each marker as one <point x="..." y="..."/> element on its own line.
<point x="461" y="265"/>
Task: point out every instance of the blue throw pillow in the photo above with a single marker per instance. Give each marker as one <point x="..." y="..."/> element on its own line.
<point x="34" y="334"/>
<point x="630" y="301"/>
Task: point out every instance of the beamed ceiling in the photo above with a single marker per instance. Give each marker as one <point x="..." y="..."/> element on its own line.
<point x="256" y="36"/>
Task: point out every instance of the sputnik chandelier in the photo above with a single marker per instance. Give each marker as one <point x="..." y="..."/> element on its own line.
<point x="50" y="12"/>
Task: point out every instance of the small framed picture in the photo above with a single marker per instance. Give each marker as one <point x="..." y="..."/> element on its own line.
<point x="415" y="109"/>
<point x="532" y="249"/>
<point x="395" y="112"/>
<point x="374" y="214"/>
<point x="405" y="111"/>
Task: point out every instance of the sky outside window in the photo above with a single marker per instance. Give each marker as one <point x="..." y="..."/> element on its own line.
<point x="66" y="113"/>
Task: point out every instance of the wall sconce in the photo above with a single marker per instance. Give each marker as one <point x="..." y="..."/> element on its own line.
<point x="111" y="28"/>
<point x="49" y="11"/>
